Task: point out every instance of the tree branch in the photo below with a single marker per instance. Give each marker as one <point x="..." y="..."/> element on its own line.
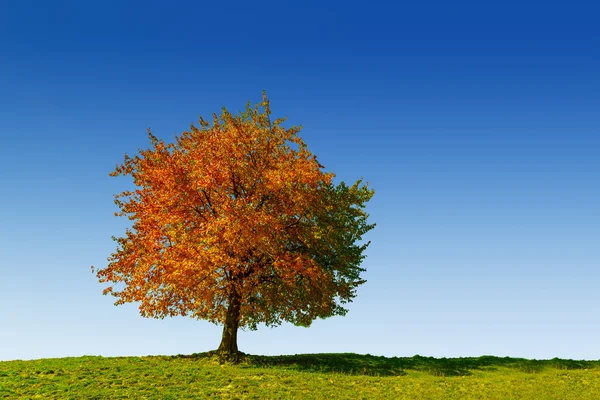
<point x="208" y="203"/>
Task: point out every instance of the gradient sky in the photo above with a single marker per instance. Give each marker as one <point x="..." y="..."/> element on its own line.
<point x="477" y="125"/>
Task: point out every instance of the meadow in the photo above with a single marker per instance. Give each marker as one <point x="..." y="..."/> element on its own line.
<point x="306" y="376"/>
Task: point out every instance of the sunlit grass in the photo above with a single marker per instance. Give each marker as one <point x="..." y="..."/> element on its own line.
<point x="306" y="376"/>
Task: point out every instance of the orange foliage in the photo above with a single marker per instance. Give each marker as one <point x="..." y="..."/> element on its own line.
<point x="234" y="210"/>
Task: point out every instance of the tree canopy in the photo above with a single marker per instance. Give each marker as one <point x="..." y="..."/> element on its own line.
<point x="237" y="223"/>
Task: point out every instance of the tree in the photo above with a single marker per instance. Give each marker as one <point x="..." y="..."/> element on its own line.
<point x="237" y="224"/>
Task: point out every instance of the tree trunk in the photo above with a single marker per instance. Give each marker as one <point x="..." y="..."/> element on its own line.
<point x="228" y="349"/>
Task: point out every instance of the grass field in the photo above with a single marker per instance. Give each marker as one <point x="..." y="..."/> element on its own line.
<point x="307" y="376"/>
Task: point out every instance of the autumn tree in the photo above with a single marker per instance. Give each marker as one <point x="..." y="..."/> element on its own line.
<point x="237" y="223"/>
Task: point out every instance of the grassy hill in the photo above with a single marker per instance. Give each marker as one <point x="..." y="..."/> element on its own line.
<point x="305" y="376"/>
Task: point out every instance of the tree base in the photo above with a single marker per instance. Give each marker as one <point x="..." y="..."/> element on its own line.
<point x="226" y="357"/>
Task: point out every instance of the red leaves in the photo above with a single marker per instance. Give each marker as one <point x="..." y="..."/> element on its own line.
<point x="228" y="206"/>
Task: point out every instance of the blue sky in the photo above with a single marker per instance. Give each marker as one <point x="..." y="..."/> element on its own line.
<point x="477" y="125"/>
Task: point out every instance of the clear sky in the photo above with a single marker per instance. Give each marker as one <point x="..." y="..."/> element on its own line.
<point x="477" y="125"/>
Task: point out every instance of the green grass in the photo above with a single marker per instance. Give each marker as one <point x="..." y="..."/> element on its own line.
<point x="306" y="376"/>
